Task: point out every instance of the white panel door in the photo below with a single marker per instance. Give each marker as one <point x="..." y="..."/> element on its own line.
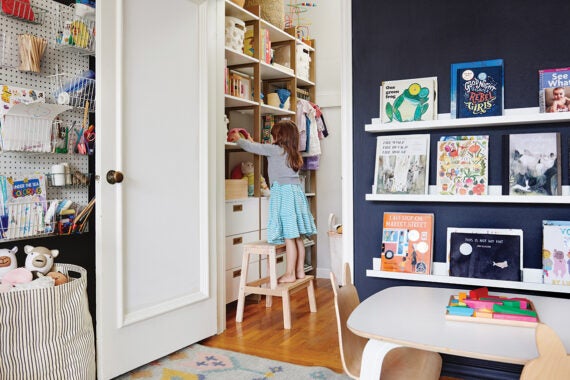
<point x="155" y="230"/>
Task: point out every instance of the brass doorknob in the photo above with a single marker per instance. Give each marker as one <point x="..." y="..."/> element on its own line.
<point x="114" y="177"/>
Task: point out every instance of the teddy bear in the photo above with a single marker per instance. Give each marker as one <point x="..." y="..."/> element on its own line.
<point x="8" y="260"/>
<point x="245" y="170"/>
<point x="39" y="259"/>
<point x="242" y="132"/>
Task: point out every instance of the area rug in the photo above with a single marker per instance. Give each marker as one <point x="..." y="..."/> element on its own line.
<point x="198" y="362"/>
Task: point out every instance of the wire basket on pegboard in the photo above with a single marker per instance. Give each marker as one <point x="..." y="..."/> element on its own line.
<point x="75" y="90"/>
<point x="22" y="10"/>
<point x="272" y="11"/>
<point x="75" y="29"/>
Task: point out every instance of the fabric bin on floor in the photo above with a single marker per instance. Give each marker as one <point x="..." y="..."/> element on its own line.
<point x="48" y="333"/>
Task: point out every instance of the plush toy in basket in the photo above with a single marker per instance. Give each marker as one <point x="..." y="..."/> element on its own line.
<point x="38" y="271"/>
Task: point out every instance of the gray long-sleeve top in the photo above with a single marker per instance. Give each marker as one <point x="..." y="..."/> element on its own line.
<point x="279" y="170"/>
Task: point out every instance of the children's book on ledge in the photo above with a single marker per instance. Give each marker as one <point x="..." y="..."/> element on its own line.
<point x="554" y="90"/>
<point x="556" y="252"/>
<point x="488" y="253"/>
<point x="402" y="164"/>
<point x="462" y="165"/>
<point x="408" y="100"/>
<point x="407" y="242"/>
<point x="477" y="89"/>
<point x="533" y="164"/>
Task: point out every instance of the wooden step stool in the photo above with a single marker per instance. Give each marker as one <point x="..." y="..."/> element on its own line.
<point x="262" y="248"/>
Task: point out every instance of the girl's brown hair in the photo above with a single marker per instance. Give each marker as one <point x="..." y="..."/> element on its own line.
<point x="286" y="135"/>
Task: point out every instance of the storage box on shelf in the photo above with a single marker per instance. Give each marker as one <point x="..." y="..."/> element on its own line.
<point x="531" y="277"/>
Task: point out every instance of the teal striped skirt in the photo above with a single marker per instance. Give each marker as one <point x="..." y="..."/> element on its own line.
<point x="289" y="214"/>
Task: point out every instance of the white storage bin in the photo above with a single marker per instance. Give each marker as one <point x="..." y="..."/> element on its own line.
<point x="303" y="62"/>
<point x="234" y="248"/>
<point x="242" y="216"/>
<point x="233" y="277"/>
<point x="235" y="31"/>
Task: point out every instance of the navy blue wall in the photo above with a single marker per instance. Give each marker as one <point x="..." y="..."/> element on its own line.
<point x="416" y="38"/>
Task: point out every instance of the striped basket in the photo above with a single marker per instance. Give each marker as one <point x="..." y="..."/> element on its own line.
<point x="48" y="333"/>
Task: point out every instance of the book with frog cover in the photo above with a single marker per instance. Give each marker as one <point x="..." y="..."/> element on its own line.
<point x="408" y="100"/>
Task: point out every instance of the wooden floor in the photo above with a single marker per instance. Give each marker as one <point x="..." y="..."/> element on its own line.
<point x="312" y="340"/>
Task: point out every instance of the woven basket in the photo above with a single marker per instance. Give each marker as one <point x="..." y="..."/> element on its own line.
<point x="272" y="11"/>
<point x="239" y="3"/>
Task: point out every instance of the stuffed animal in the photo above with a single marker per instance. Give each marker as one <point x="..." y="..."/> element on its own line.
<point x="242" y="132"/>
<point x="40" y="259"/>
<point x="17" y="276"/>
<point x="265" y="192"/>
<point x="247" y="172"/>
<point x="8" y="260"/>
<point x="58" y="277"/>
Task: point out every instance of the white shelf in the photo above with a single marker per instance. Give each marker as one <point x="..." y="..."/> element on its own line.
<point x="234" y="101"/>
<point x="493" y="197"/>
<point x="234" y="10"/>
<point x="512" y="116"/>
<point x="270" y="110"/>
<point x="276" y="34"/>
<point x="478" y="282"/>
<point x="303" y="82"/>
<point x="271" y="72"/>
<point x="235" y="57"/>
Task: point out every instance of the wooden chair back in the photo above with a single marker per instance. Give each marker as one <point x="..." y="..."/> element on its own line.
<point x="351" y="345"/>
<point x="553" y="362"/>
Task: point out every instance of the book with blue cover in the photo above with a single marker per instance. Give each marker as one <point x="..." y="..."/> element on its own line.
<point x="477" y="89"/>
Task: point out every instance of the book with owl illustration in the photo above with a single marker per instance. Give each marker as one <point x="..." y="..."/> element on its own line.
<point x="462" y="165"/>
<point x="477" y="89"/>
<point x="556" y="252"/>
<point x="493" y="254"/>
<point x="407" y="242"/>
<point x="554" y="90"/>
<point x="408" y="100"/>
<point x="533" y="164"/>
<point x="402" y="164"/>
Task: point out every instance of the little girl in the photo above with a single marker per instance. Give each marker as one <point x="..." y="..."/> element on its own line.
<point x="289" y="214"/>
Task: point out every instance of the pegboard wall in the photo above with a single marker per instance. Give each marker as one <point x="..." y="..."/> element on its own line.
<point x="55" y="61"/>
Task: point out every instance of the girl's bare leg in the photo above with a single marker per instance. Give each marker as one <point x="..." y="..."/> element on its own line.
<point x="300" y="268"/>
<point x="291" y="255"/>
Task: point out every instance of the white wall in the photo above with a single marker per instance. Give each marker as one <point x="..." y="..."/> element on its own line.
<point x="325" y="28"/>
